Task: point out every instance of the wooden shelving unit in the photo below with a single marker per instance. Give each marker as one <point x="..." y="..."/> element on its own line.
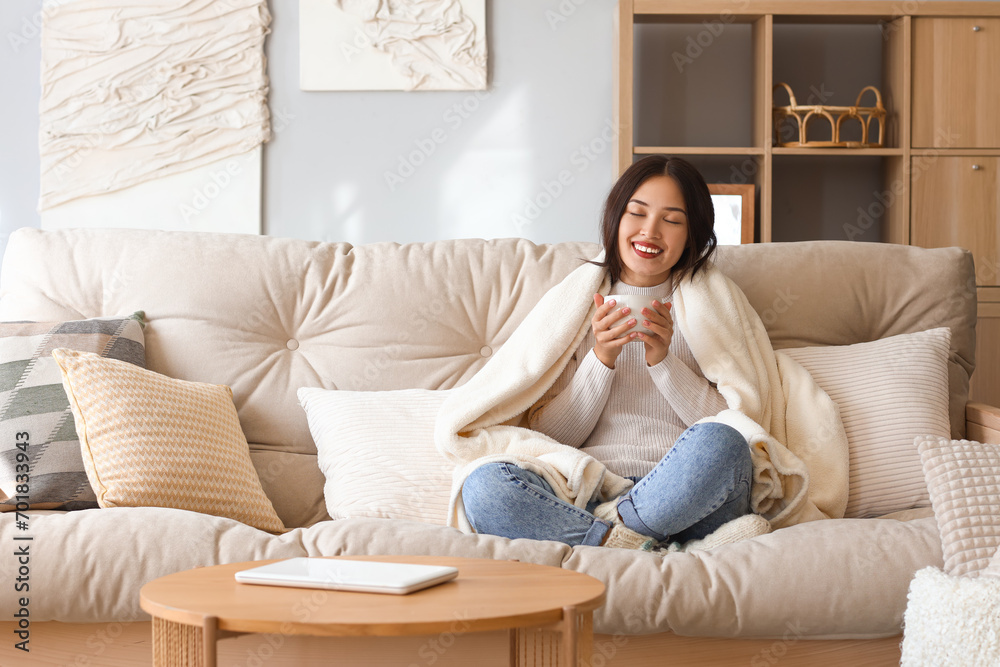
<point x="769" y="36"/>
<point x="695" y="78"/>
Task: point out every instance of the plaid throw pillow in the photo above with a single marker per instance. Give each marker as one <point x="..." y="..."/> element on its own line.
<point x="40" y="459"/>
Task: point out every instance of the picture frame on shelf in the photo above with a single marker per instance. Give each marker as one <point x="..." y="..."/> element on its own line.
<point x="734" y="219"/>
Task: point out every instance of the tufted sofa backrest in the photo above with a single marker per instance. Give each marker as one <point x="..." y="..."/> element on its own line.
<point x="269" y="315"/>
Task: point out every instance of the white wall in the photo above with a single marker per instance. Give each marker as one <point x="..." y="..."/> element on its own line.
<point x="548" y="104"/>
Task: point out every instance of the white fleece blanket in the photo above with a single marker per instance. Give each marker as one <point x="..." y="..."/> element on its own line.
<point x="796" y="437"/>
<point x="951" y="621"/>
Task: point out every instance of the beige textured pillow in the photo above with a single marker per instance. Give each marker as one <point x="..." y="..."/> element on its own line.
<point x="148" y="440"/>
<point x="964" y="481"/>
<point x="889" y="392"/>
<point x="376" y="451"/>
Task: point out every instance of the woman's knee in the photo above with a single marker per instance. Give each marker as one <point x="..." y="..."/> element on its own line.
<point x="482" y="483"/>
<point x="728" y="443"/>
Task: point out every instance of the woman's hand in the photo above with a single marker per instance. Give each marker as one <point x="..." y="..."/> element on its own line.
<point x="658" y="321"/>
<point x="610" y="340"/>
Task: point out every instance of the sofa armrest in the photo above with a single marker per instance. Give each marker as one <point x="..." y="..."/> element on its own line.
<point x="982" y="422"/>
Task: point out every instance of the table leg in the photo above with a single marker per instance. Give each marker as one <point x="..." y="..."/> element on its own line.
<point x="568" y="643"/>
<point x="569" y="637"/>
<point x="209" y="629"/>
<point x="577" y="637"/>
<point x="177" y="644"/>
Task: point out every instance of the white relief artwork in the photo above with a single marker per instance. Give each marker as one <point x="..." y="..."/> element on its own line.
<point x="152" y="114"/>
<point x="392" y="44"/>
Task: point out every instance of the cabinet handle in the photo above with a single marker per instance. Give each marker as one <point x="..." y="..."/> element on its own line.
<point x="976" y="28"/>
<point x="976" y="167"/>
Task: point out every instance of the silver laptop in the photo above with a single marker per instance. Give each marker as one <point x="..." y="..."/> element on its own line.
<point x="348" y="575"/>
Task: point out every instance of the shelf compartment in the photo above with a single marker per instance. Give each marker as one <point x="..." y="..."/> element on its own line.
<point x="814" y="197"/>
<point x="829" y="64"/>
<point x="693" y="84"/>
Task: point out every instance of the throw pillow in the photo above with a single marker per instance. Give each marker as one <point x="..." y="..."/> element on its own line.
<point x="39" y="452"/>
<point x="376" y="451"/>
<point x="889" y="392"/>
<point x="964" y="481"/>
<point x="152" y="441"/>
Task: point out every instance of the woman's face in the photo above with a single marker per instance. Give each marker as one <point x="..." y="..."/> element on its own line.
<point x="653" y="232"/>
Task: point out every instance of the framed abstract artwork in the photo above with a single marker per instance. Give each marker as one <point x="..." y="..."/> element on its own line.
<point x="734" y="219"/>
<point x="152" y="116"/>
<point x="392" y="45"/>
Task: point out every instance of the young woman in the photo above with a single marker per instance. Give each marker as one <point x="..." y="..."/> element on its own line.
<point x="629" y="399"/>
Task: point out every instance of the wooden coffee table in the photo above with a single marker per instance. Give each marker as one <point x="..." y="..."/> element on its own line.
<point x="193" y="609"/>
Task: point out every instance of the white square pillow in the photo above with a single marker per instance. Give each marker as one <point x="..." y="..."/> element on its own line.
<point x="889" y="392"/>
<point x="376" y="451"/>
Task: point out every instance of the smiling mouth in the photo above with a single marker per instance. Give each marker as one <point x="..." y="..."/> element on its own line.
<point x="646" y="251"/>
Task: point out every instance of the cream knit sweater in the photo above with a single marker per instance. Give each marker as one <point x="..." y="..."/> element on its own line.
<point x="627" y="417"/>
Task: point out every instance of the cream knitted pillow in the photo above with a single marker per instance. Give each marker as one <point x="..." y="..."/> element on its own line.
<point x="148" y="440"/>
<point x="964" y="482"/>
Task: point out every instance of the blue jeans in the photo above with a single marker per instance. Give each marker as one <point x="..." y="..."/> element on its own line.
<point x="700" y="484"/>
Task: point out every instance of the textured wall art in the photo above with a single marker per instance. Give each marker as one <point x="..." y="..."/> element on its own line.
<point x="392" y="44"/>
<point x="152" y="114"/>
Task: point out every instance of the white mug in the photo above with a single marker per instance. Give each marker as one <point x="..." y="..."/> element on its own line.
<point x="636" y="302"/>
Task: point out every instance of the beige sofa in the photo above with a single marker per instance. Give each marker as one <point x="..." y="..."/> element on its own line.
<point x="267" y="316"/>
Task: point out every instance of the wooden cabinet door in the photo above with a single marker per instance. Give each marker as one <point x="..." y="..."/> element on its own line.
<point x="956" y="70"/>
<point x="955" y="203"/>
<point x="985" y="382"/>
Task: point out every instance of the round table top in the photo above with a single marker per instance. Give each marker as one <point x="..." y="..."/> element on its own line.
<point x="486" y="595"/>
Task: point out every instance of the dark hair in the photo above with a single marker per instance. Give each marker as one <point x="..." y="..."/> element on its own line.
<point x="701" y="242"/>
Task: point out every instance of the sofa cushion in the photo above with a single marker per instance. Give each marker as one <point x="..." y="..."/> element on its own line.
<point x="377" y="453"/>
<point x="842" y="292"/>
<point x="151" y="441"/>
<point x="764" y="587"/>
<point x="889" y="392"/>
<point x="35" y="412"/>
<point x="964" y="481"/>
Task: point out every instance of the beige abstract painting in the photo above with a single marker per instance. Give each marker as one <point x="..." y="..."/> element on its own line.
<point x="152" y="114"/>
<point x="392" y="44"/>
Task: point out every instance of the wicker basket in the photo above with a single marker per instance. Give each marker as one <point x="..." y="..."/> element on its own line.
<point x="804" y="113"/>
